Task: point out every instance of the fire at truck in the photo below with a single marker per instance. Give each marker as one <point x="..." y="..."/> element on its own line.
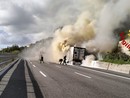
<point x="76" y="55"/>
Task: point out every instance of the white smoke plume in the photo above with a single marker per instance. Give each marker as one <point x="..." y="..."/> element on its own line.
<point x="94" y="28"/>
<point x="111" y="17"/>
<point x="103" y="39"/>
<point x="34" y="51"/>
<point x="88" y="60"/>
<point x="71" y="35"/>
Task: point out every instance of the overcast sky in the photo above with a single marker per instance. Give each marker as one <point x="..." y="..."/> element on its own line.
<point x="26" y="21"/>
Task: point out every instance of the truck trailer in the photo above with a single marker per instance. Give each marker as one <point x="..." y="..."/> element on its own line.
<point x="76" y="55"/>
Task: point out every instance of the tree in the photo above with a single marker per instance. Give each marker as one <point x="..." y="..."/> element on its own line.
<point x="13" y="49"/>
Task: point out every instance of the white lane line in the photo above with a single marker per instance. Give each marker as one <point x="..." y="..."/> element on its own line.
<point x="34" y="66"/>
<point x="58" y="66"/>
<point x="42" y="73"/>
<point x="82" y="75"/>
<point x="113" y="75"/>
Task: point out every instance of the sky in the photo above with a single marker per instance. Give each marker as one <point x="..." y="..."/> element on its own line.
<point x="26" y="21"/>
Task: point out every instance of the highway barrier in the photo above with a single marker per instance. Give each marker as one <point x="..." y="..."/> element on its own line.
<point x="123" y="68"/>
<point x="5" y="70"/>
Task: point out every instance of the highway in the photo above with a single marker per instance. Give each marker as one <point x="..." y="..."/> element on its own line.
<point x="30" y="79"/>
<point x="58" y="81"/>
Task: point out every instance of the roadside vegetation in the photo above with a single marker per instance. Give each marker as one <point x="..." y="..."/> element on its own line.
<point x="117" y="57"/>
<point x="14" y="49"/>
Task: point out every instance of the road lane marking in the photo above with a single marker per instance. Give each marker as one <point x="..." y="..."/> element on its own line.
<point x="112" y="75"/>
<point x="34" y="66"/>
<point x="42" y="73"/>
<point x="82" y="75"/>
<point x="31" y="62"/>
<point x="58" y="66"/>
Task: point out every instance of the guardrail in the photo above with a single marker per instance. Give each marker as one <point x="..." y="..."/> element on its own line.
<point x="5" y="59"/>
<point x="4" y="63"/>
<point x="5" y="70"/>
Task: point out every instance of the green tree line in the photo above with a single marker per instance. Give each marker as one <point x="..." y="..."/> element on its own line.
<point x="12" y="49"/>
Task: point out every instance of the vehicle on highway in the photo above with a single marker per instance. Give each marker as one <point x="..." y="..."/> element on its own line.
<point x="76" y="55"/>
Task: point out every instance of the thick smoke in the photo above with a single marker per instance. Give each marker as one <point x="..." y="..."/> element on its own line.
<point x="111" y="17"/>
<point x="93" y="30"/>
<point x="34" y="51"/>
<point x="71" y="35"/>
<point x="97" y="34"/>
<point x="88" y="60"/>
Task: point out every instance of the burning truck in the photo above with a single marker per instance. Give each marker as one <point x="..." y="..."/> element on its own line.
<point x="76" y="55"/>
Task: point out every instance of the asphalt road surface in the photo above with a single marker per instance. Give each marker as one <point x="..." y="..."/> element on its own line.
<point x="59" y="81"/>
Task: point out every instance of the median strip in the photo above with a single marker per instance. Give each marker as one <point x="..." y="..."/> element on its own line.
<point x="29" y="84"/>
<point x="37" y="89"/>
<point x="82" y="75"/>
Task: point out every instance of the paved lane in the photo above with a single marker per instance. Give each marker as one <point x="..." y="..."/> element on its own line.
<point x="18" y="82"/>
<point x="16" y="87"/>
<point x="58" y="81"/>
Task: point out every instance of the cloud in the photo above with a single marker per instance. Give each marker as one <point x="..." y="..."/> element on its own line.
<point x="7" y="39"/>
<point x="27" y="19"/>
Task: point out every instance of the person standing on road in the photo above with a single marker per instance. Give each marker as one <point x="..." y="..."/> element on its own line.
<point x="41" y="59"/>
<point x="64" y="61"/>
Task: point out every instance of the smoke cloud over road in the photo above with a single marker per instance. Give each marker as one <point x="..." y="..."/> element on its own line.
<point x="94" y="28"/>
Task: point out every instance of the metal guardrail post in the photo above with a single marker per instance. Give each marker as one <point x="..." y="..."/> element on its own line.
<point x="108" y="66"/>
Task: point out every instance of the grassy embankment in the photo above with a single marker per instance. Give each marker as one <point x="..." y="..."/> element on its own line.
<point x="117" y="58"/>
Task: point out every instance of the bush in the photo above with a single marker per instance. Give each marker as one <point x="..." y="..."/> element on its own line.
<point x="118" y="58"/>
